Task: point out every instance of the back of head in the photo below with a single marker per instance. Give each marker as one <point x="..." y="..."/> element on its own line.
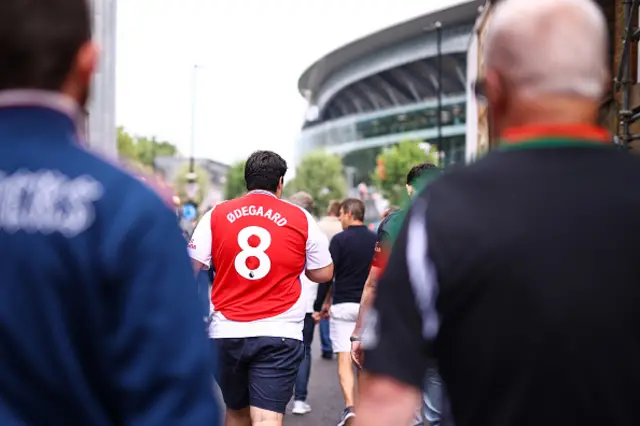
<point x="390" y="210"/>
<point x="354" y="207"/>
<point x="550" y="46"/>
<point x="546" y="62"/>
<point x="334" y="208"/>
<point x="264" y="170"/>
<point x="418" y="171"/>
<point x="302" y="199"/>
<point x="40" y="41"/>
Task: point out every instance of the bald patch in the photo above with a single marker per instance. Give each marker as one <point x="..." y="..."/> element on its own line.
<point x="549" y="46"/>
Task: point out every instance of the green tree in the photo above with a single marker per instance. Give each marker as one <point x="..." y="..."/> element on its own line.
<point x="148" y="149"/>
<point x="126" y="145"/>
<point x="202" y="179"/>
<point x="235" y="185"/>
<point x="142" y="149"/>
<point x="321" y="175"/>
<point x="393" y="165"/>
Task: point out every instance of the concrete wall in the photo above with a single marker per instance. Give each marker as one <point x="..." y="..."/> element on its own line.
<point x="102" y="105"/>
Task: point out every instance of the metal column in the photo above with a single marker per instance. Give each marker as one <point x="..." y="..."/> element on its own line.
<point x="623" y="80"/>
<point x="102" y="104"/>
<point x="439" y="47"/>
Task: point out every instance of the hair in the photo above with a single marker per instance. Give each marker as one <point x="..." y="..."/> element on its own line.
<point x="559" y="47"/>
<point x="39" y="41"/>
<point x="302" y="199"/>
<point x="417" y="171"/>
<point x="334" y="208"/>
<point x="263" y="170"/>
<point x="391" y="209"/>
<point x="354" y="206"/>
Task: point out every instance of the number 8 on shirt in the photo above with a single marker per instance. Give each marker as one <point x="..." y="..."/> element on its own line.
<point x="259" y="252"/>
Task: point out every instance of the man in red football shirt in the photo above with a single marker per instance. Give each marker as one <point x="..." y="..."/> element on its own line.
<point x="259" y="246"/>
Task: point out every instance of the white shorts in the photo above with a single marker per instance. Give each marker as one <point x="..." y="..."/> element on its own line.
<point x="342" y="324"/>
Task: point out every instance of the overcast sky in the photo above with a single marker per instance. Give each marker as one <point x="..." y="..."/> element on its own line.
<point x="252" y="53"/>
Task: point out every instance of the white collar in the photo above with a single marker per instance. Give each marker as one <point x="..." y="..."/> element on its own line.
<point x="40" y="98"/>
<point x="263" y="192"/>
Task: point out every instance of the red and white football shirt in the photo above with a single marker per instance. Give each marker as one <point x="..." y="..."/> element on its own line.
<point x="259" y="246"/>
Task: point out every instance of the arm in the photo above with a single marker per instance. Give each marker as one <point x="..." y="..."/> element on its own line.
<point x="385" y="401"/>
<point x="160" y="364"/>
<point x="377" y="266"/>
<point x="324" y="298"/>
<point x="323" y="290"/>
<point x="320" y="274"/>
<point x="368" y="295"/>
<point x="199" y="247"/>
<point x="405" y="323"/>
<point x="319" y="265"/>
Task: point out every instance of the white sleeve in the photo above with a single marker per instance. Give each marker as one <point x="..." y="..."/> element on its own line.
<point x="318" y="255"/>
<point x="200" y="245"/>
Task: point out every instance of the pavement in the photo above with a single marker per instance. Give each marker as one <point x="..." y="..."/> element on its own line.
<point x="325" y="396"/>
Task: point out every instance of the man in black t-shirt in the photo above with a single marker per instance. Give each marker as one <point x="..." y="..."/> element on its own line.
<point x="519" y="273"/>
<point x="352" y="252"/>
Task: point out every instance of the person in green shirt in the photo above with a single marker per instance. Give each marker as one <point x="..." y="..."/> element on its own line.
<point x="417" y="179"/>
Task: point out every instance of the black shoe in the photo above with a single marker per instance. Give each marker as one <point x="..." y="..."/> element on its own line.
<point x="347" y="414"/>
<point x="327" y="355"/>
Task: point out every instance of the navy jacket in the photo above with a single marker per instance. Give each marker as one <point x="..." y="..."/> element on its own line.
<point x="99" y="317"/>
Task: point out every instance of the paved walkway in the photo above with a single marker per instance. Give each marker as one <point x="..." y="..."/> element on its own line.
<point x="325" y="396"/>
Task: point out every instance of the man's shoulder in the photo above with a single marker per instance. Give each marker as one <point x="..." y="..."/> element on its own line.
<point x="330" y="226"/>
<point x="95" y="191"/>
<point x="126" y="191"/>
<point x="383" y="227"/>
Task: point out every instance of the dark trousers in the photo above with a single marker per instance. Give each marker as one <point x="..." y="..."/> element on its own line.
<point x="258" y="371"/>
<point x="204" y="293"/>
<point x="302" y="379"/>
<point x="325" y="337"/>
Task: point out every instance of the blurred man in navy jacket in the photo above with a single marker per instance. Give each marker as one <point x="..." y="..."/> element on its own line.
<point x="99" y="318"/>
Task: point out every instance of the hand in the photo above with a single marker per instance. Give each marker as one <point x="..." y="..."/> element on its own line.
<point x="317" y="316"/>
<point x="357" y="354"/>
<point x="325" y="310"/>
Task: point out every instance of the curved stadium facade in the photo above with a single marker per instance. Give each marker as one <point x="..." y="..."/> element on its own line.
<point x="383" y="89"/>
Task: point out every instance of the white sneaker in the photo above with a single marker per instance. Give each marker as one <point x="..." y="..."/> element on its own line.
<point x="300" y="407"/>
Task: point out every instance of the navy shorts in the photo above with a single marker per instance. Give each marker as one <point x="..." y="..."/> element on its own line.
<point x="258" y="371"/>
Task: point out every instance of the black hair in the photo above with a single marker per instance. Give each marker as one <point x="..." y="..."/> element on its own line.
<point x="354" y="206"/>
<point x="39" y="41"/>
<point x="417" y="171"/>
<point x="263" y="170"/>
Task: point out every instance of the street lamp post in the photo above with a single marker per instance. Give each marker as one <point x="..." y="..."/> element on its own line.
<point x="438" y="26"/>
<point x="194" y="84"/>
<point x="192" y="186"/>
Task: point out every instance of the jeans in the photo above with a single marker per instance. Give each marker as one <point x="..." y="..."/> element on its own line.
<point x="204" y="294"/>
<point x="432" y="397"/>
<point x="325" y="337"/>
<point x="302" y="379"/>
<point x="215" y="357"/>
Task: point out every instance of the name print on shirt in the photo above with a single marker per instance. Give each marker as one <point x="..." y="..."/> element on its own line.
<point x="257" y="211"/>
<point x="47" y="201"/>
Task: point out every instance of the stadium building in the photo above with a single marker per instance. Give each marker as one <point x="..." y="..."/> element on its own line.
<point x="385" y="88"/>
